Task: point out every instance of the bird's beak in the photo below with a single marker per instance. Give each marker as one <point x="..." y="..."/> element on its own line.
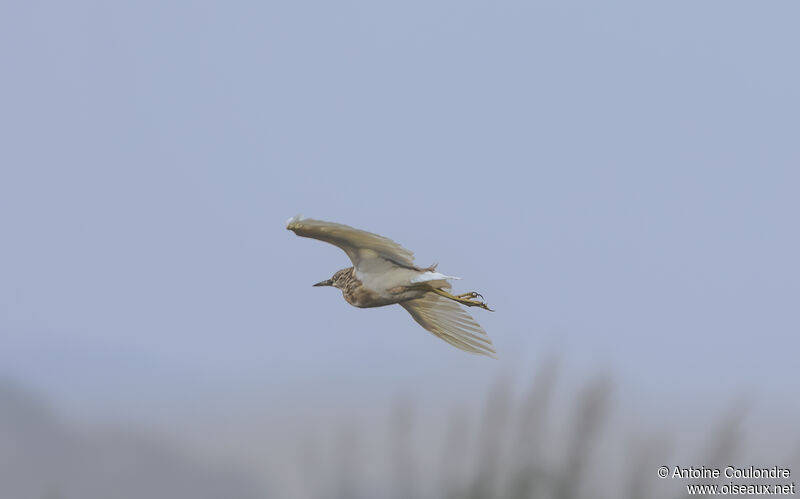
<point x="328" y="282"/>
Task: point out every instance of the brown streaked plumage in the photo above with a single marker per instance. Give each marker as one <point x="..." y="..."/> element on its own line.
<point x="384" y="273"/>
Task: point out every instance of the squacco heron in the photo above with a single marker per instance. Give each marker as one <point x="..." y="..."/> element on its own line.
<point x="383" y="273"/>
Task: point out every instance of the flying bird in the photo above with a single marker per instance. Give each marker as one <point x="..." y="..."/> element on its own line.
<point x="383" y="273"/>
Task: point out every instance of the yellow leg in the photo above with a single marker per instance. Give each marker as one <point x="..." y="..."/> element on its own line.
<point x="463" y="298"/>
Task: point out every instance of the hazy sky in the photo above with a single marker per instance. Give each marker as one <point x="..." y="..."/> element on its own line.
<point x="619" y="179"/>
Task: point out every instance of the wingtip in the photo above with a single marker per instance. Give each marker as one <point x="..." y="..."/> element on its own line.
<point x="293" y="221"/>
<point x="489" y="351"/>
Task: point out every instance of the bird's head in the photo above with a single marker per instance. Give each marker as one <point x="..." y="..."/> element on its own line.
<point x="338" y="280"/>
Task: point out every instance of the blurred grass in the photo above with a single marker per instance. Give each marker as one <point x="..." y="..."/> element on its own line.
<point x="531" y="443"/>
<point x="519" y="448"/>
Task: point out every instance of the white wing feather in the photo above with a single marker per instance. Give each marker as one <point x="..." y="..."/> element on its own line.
<point x="447" y="320"/>
<point x="431" y="276"/>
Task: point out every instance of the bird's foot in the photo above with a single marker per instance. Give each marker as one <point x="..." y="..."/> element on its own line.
<point x="465" y="299"/>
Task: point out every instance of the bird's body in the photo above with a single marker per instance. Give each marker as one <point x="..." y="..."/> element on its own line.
<point x="360" y="295"/>
<point x="383" y="273"/>
<point x="365" y="290"/>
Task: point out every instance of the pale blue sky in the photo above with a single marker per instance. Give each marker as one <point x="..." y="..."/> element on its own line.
<point x="619" y="179"/>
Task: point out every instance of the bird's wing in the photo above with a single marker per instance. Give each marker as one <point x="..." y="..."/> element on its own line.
<point x="447" y="320"/>
<point x="359" y="245"/>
